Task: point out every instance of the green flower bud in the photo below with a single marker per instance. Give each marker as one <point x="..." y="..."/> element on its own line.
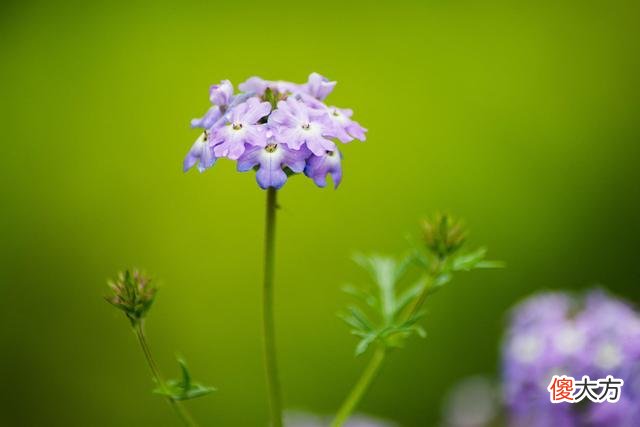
<point x="443" y="235"/>
<point x="133" y="293"/>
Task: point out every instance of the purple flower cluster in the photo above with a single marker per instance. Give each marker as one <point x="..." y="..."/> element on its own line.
<point x="277" y="128"/>
<point x="559" y="334"/>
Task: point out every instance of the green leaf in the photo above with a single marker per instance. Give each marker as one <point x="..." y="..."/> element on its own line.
<point x="474" y="259"/>
<point x="183" y="389"/>
<point x="409" y="295"/>
<point x="359" y="319"/>
<point x="364" y="344"/>
<point x="491" y="264"/>
<point x="362" y="295"/>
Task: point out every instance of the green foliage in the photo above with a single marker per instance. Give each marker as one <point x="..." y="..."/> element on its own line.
<point x="185" y="388"/>
<point x="380" y="317"/>
<point x="389" y="310"/>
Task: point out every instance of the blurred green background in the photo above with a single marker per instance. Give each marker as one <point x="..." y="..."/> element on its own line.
<point x="521" y="117"/>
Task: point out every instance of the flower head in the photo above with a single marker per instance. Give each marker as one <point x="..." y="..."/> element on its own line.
<point x="277" y="128"/>
<point x="133" y="293"/>
<point x="443" y="235"/>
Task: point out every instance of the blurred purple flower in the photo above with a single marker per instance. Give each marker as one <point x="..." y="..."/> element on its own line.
<point x="558" y="334"/>
<point x="473" y="402"/>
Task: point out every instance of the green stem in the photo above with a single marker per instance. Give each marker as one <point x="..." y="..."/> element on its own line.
<point x="375" y="363"/>
<point x="360" y="388"/>
<point x="271" y="365"/>
<point x="180" y="410"/>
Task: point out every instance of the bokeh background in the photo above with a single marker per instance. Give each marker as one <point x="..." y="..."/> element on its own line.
<point x="521" y="117"/>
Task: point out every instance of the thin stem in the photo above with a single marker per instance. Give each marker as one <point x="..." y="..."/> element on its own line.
<point x="180" y="410"/>
<point x="354" y="397"/>
<point x="430" y="279"/>
<point x="271" y="364"/>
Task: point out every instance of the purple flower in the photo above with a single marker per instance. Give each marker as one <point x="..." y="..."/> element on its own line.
<point x="241" y="128"/>
<point x="210" y="118"/>
<point x="318" y="86"/>
<point x="343" y="127"/>
<point x="221" y="94"/>
<point x="296" y="136"/>
<point x="560" y="334"/>
<point x="328" y="163"/>
<point x="294" y="124"/>
<point x="270" y="161"/>
<point x="257" y="86"/>
<point x="201" y="152"/>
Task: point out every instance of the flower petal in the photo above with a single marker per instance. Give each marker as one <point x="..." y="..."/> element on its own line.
<point x="249" y="159"/>
<point x="256" y="110"/>
<point x="271" y="177"/>
<point x="318" y="86"/>
<point x="319" y="166"/>
<point x="221" y="93"/>
<point x="208" y="120"/>
<point x="254" y="85"/>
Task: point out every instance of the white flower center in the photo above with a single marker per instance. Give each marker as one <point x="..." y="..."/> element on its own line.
<point x="236" y="125"/>
<point x="608" y="356"/>
<point x="526" y="348"/>
<point x="569" y="340"/>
